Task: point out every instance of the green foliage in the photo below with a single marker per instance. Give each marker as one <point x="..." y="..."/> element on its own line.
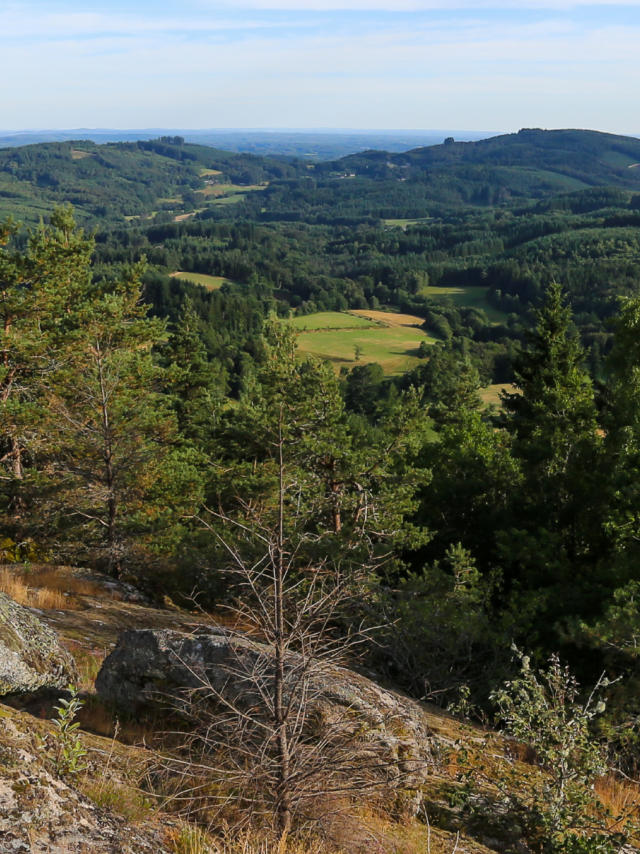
<point x="69" y="749"/>
<point x="349" y="488"/>
<point x="553" y="414"/>
<point x="540" y="708"/>
<point x="436" y="636"/>
<point x="44" y="294"/>
<point x="115" y="430"/>
<point x="552" y="419"/>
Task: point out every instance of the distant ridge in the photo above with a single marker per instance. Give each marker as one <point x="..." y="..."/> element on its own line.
<point x="320" y="144"/>
<point x="169" y="177"/>
<point x="551" y="160"/>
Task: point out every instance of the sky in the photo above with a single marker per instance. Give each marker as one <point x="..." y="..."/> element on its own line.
<point x="362" y="64"/>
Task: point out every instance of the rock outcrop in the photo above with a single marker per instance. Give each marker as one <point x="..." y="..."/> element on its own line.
<point x="31" y="658"/>
<point x="163" y="666"/>
<point x="42" y="814"/>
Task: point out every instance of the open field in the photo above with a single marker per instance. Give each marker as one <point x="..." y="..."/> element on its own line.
<point x="330" y="320"/>
<point x="188" y="215"/>
<point x="391" y="340"/>
<point x="403" y="223"/>
<point x="211" y="283"/>
<point x="465" y="297"/>
<point x="490" y="395"/>
<point x="205" y="172"/>
<point x="388" y="318"/>
<point x="216" y="191"/>
<point x="233" y="199"/>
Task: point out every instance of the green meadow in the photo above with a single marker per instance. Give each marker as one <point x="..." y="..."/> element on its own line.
<point x="465" y="297"/>
<point x="347" y="339"/>
<point x="330" y="320"/>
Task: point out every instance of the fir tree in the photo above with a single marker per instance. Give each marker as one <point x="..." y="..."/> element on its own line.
<point x="197" y="384"/>
<point x="554" y="519"/>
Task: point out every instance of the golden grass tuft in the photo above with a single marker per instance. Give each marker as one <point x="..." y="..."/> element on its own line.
<point x="46" y="589"/>
<point x="621" y="798"/>
<point x="51" y="600"/>
<point x="14" y="586"/>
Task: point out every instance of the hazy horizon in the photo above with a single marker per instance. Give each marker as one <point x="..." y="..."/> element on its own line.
<point x="320" y="64"/>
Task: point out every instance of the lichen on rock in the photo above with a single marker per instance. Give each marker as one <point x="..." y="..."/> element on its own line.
<point x="31" y="657"/>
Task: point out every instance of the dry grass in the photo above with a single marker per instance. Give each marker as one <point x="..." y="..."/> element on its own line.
<point x="490" y="395"/>
<point x="50" y="600"/>
<point x="389" y="318"/>
<point x="14" y="586"/>
<point x="124" y="800"/>
<point x="46" y="589"/>
<point x="190" y="839"/>
<point x="621" y="798"/>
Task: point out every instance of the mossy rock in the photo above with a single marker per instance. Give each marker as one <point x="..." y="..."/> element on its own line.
<point x="31" y="658"/>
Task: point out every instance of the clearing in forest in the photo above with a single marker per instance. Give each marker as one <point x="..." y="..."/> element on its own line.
<point x="359" y="337"/>
<point x="490" y="395"/>
<point x="211" y="283"/>
<point x="465" y="297"/>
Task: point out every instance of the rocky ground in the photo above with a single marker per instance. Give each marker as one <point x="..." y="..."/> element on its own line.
<point x="116" y="803"/>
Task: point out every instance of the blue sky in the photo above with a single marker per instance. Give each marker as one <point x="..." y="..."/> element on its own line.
<point x="467" y="64"/>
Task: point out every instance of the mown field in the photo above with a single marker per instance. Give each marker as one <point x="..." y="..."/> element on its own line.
<point x="465" y="297"/>
<point x="211" y="283"/>
<point x="359" y="337"/>
<point x="490" y="395"/>
<point x="404" y="223"/>
<point x="228" y="193"/>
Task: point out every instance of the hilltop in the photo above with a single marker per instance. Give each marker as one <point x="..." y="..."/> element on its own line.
<point x="529" y="164"/>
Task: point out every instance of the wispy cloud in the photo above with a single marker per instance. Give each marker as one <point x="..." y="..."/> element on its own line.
<point x="333" y="63"/>
<point x="415" y="5"/>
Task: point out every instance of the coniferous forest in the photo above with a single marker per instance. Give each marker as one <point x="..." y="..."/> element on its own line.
<point x="455" y="523"/>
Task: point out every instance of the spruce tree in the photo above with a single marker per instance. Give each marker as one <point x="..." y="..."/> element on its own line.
<point x="552" y="419"/>
<point x="197" y="384"/>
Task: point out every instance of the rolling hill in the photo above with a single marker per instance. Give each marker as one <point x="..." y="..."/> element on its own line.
<point x="116" y="180"/>
<point x="532" y="163"/>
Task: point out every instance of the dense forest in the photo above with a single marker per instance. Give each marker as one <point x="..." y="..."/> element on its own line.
<point x="156" y="428"/>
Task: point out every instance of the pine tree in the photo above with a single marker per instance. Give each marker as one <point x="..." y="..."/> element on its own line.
<point x="43" y="292"/>
<point x="350" y="488"/>
<point x="115" y="429"/>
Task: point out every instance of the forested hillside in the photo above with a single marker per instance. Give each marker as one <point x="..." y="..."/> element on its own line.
<point x="118" y="180"/>
<point x="170" y="431"/>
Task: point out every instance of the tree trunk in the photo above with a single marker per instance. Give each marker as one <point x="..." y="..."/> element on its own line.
<point x="114" y="556"/>
<point x="283" y="800"/>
